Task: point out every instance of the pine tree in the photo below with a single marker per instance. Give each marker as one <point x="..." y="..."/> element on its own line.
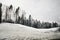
<point x="10" y="7"/>
<point x="29" y="20"/>
<point x="55" y="24"/>
<point x="8" y="16"/>
<point x="19" y="19"/>
<point x="23" y="18"/>
<point x="38" y="24"/>
<point x="0" y="12"/>
<point x="17" y="14"/>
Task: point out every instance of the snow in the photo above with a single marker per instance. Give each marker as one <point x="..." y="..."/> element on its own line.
<point x="10" y="31"/>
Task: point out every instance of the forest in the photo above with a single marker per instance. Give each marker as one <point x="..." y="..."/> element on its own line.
<point x="22" y="19"/>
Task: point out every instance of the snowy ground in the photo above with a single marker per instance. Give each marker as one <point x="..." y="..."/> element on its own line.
<point x="10" y="31"/>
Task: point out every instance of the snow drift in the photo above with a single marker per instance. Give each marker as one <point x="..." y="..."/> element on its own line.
<point x="10" y="31"/>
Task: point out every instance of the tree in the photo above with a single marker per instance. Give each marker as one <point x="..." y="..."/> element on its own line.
<point x="22" y="19"/>
<point x="8" y="14"/>
<point x="55" y="24"/>
<point x="18" y="20"/>
<point x="10" y="7"/>
<point x="17" y="13"/>
<point x="29" y="20"/>
<point x="0" y="12"/>
<point x="35" y="25"/>
<point x="26" y="22"/>
<point x="38" y="24"/>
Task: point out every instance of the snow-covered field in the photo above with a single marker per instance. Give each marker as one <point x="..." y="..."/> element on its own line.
<point x="10" y="31"/>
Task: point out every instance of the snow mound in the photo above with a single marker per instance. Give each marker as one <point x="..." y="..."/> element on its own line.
<point x="10" y="31"/>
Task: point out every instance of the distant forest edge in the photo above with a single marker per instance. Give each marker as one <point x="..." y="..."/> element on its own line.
<point x="10" y="15"/>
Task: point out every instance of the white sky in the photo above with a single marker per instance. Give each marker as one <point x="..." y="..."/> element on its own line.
<point x="44" y="10"/>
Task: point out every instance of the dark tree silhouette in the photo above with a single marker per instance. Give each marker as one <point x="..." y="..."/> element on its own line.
<point x="35" y="25"/>
<point x="0" y="12"/>
<point x="10" y="7"/>
<point x="55" y="24"/>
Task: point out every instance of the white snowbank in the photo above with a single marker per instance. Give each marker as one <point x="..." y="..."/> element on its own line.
<point x="10" y="31"/>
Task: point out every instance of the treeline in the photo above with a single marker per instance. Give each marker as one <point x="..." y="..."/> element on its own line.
<point x="36" y="24"/>
<point x="23" y="20"/>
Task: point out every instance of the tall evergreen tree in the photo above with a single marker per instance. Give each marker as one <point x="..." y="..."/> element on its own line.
<point x="29" y="20"/>
<point x="22" y="19"/>
<point x="8" y="16"/>
<point x="38" y="24"/>
<point x="19" y="19"/>
<point x="0" y="12"/>
<point x="55" y="24"/>
<point x="10" y="7"/>
<point x="17" y="13"/>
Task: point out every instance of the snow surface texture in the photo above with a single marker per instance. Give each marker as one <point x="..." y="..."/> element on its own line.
<point x="10" y="31"/>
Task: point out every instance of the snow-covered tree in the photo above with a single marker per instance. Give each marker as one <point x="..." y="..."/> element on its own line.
<point x="9" y="12"/>
<point x="17" y="14"/>
<point x="38" y="24"/>
<point x="30" y="20"/>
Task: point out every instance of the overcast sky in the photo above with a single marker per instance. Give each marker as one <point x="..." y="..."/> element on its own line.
<point x="44" y="10"/>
